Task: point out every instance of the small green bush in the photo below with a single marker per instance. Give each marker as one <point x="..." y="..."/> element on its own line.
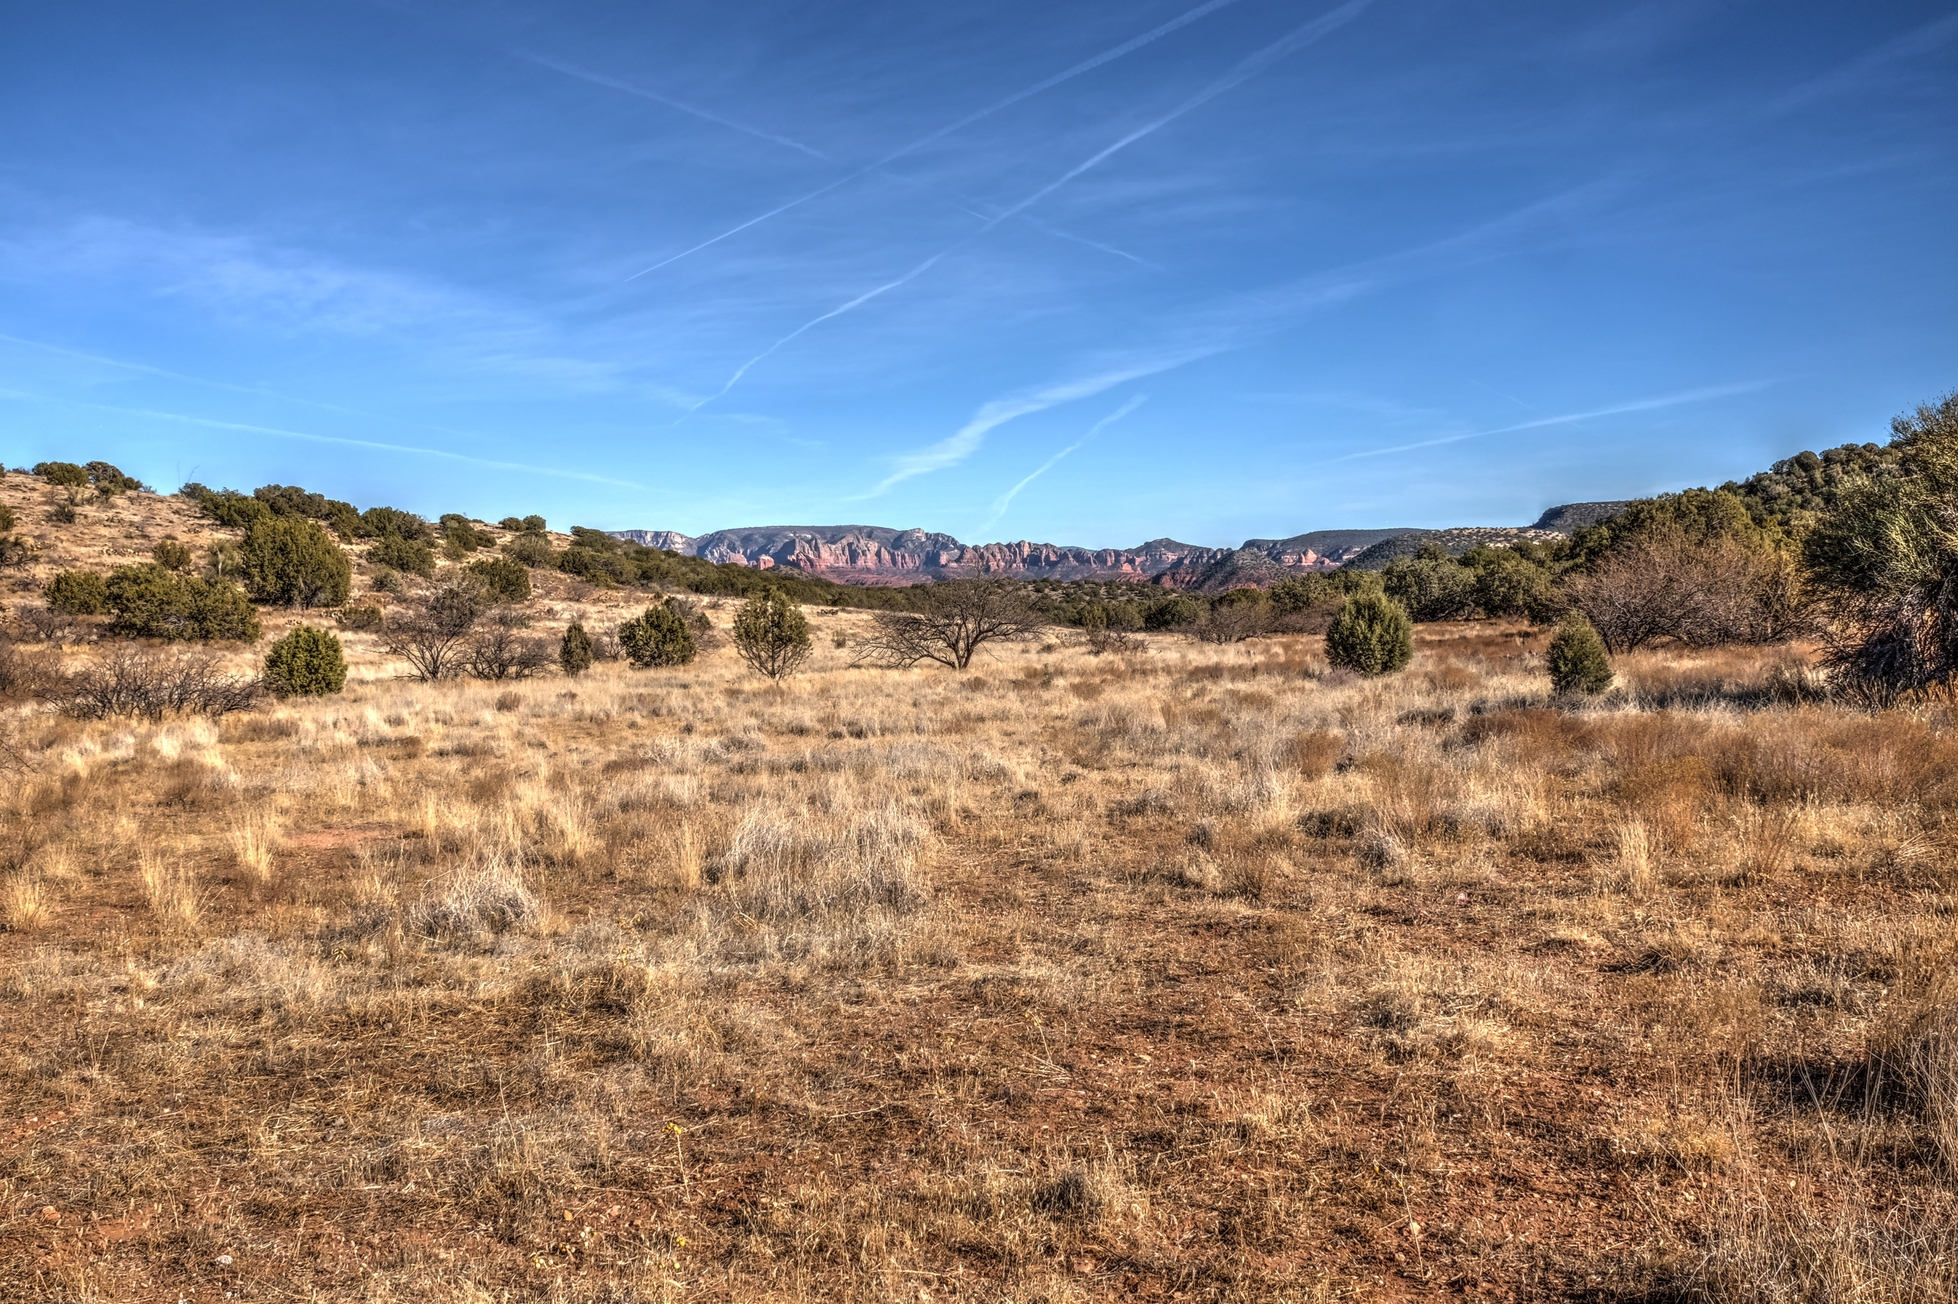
<point x="459" y="530"/>
<point x="660" y="637"/>
<point x="6" y="518"/>
<point x="1172" y="612"/>
<point x="361" y="618"/>
<point x="383" y="521"/>
<point x="290" y="561"/>
<point x="771" y="634"/>
<point x="1371" y="635"/>
<point x="533" y="524"/>
<point x="172" y="554"/>
<point x="148" y="601"/>
<point x="514" y="523"/>
<point x="227" y="507"/>
<point x="77" y="593"/>
<point x="66" y="474"/>
<point x="1577" y="660"/>
<point x="389" y="581"/>
<point x="530" y="550"/>
<point x="574" y="653"/>
<point x="306" y="663"/>
<point x="395" y="552"/>
<point x="505" y="579"/>
<point x="109" y="480"/>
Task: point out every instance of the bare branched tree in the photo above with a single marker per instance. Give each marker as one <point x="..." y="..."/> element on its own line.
<point x="959" y="617"/>
<point x="1659" y="584"/>
<point x="433" y="636"/>
<point x="151" y="685"/>
<point x="501" y="650"/>
<point x="1232" y="622"/>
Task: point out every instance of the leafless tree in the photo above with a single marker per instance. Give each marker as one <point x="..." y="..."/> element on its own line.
<point x="152" y="685"/>
<point x="958" y="618"/>
<point x="1232" y="622"/>
<point x="501" y="650"/>
<point x="1659" y="584"/>
<point x="433" y="636"/>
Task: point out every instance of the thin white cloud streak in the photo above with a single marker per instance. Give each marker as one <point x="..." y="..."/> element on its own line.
<point x="1704" y="395"/>
<point x="613" y="83"/>
<point x="1066" y="74"/>
<point x="1292" y="42"/>
<point x="967" y="440"/>
<point x="1932" y="36"/>
<point x="281" y="433"/>
<point x="1005" y="500"/>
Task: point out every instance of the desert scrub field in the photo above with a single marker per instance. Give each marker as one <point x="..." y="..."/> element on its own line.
<point x="1195" y="973"/>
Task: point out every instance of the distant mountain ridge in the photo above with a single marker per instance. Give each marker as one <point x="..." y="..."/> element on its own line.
<point x="876" y="554"/>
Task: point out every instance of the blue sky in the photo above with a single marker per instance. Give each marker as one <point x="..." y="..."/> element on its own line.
<point x="1086" y="273"/>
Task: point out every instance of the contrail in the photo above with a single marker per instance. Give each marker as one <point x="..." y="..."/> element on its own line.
<point x="1292" y="42"/>
<point x="1005" y="500"/>
<point x="1297" y="39"/>
<point x="613" y="83"/>
<point x="1640" y="405"/>
<point x="1126" y="47"/>
<point x="990" y="416"/>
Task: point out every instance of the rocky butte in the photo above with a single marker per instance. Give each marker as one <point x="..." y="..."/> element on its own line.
<point x="875" y="554"/>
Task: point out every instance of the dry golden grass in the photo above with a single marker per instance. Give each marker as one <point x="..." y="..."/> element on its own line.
<point x="1199" y="973"/>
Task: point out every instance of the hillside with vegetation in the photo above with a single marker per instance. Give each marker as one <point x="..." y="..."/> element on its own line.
<point x="395" y="909"/>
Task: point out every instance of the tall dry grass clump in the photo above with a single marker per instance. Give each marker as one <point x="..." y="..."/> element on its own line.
<point x="254" y="843"/>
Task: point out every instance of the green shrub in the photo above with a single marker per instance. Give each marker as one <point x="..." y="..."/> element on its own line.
<point x="1578" y="662"/>
<point x="1172" y="612"/>
<point x="594" y="567"/>
<point x="380" y="522"/>
<point x="306" y="663"/>
<point x="533" y="524"/>
<point x="77" y="593"/>
<point x="172" y="554"/>
<point x="66" y="474"/>
<point x="291" y="500"/>
<point x="395" y="552"/>
<point x="6" y="518"/>
<point x="505" y="579"/>
<point x="290" y="561"/>
<point x="460" y="534"/>
<point x="660" y="637"/>
<point x="361" y="618"/>
<point x="227" y="507"/>
<point x="1371" y="635"/>
<point x="389" y="581"/>
<point x="1431" y="585"/>
<point x="1510" y="582"/>
<point x="530" y="550"/>
<point x="513" y="523"/>
<point x="771" y="634"/>
<point x="109" y="479"/>
<point x="148" y="601"/>
<point x="574" y="652"/>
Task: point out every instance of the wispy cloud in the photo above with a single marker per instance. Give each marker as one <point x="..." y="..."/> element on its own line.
<point x="1930" y="37"/>
<point x="969" y="437"/>
<point x="1066" y="74"/>
<point x="1292" y="42"/>
<point x="613" y="83"/>
<point x="1704" y="395"/>
<point x="1005" y="500"/>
